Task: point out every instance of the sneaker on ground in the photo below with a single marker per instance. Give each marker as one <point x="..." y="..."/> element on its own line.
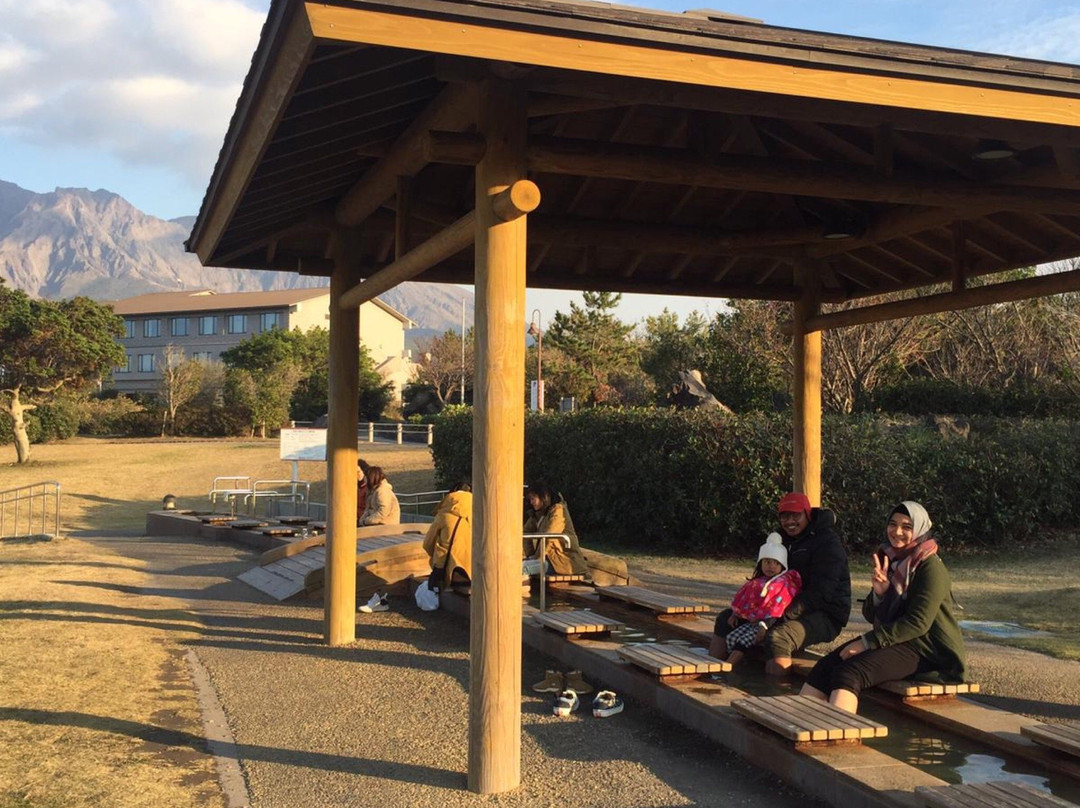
<point x="377" y="603"/>
<point x="551" y="683"/>
<point x="606" y="704"/>
<point x="575" y="682"/>
<point x="566" y="703"/>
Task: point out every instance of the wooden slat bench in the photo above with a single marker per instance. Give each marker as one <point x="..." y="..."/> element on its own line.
<point x="247" y="524"/>
<point x="216" y="518"/>
<point x="671" y="660"/>
<point x="294" y="520"/>
<point x="655" y="601"/>
<point x="1063" y="737"/>
<point x="911" y="689"/>
<point x="804" y="719"/>
<point x="556" y="578"/>
<point x="989" y="795"/>
<point x="577" y="622"/>
<point x="278" y="530"/>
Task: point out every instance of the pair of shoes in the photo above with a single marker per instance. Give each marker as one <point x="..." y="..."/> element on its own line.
<point x="566" y="703"/>
<point x="553" y="682"/>
<point x="606" y="704"/>
<point x="378" y="603"/>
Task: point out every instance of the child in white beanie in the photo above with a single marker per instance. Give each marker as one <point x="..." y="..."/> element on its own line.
<point x="762" y="599"/>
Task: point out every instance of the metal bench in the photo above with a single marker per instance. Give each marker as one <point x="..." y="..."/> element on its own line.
<point x="1063" y="737"/>
<point x="577" y="622"/>
<point x="655" y="601"/>
<point x="804" y="719"/>
<point x="989" y="795"/>
<point x="672" y="660"/>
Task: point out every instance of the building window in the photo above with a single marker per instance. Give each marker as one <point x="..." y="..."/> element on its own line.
<point x="151" y="328"/>
<point x="179" y="326"/>
<point x="146" y="363"/>
<point x="202" y="356"/>
<point x="208" y="325"/>
<point x="269" y="320"/>
<point x="129" y="329"/>
<point x="126" y="367"/>
<point x="236" y="324"/>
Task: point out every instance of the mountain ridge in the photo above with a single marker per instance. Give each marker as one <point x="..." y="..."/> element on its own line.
<point x="74" y="241"/>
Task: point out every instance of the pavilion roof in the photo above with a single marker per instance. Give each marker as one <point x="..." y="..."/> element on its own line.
<point x="692" y="153"/>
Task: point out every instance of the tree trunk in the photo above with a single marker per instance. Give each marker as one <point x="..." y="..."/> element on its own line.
<point x="15" y="409"/>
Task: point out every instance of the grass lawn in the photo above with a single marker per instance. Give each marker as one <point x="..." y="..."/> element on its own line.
<point x="109" y="485"/>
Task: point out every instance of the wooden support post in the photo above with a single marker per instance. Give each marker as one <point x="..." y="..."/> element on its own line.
<point x="498" y="451"/>
<point x="339" y="600"/>
<point x="806" y="435"/>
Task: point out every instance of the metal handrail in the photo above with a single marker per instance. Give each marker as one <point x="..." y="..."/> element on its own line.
<point x="414" y="500"/>
<point x="299" y="491"/>
<point x="544" y="537"/>
<point x="13" y="497"/>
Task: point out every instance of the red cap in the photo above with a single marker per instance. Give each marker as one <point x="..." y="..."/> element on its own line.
<point x="793" y="503"/>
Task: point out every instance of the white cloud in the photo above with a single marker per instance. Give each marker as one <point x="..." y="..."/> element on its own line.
<point x="151" y="82"/>
<point x="1055" y="38"/>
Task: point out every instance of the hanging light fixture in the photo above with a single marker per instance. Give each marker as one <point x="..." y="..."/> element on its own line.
<point x="992" y="149"/>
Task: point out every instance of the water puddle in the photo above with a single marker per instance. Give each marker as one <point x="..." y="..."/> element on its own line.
<point x="1008" y="631"/>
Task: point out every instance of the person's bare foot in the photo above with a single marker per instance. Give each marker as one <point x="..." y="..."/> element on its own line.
<point x="778" y="666"/>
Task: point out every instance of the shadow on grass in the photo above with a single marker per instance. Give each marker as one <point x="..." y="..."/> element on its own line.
<point x="390" y="770"/>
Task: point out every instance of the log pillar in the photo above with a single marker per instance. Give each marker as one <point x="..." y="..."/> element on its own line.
<point x="806" y="411"/>
<point x="339" y="600"/>
<point x="498" y="450"/>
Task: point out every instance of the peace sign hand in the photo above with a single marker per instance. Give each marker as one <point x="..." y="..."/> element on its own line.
<point x="880" y="580"/>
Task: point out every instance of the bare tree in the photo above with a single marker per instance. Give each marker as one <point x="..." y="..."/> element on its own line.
<point x="181" y="379"/>
<point x="440" y="364"/>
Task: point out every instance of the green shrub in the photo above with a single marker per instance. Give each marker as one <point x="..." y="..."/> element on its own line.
<point x="707" y="483"/>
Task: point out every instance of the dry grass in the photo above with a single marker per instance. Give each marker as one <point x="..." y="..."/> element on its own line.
<point x="96" y="702"/>
<point x="110" y="484"/>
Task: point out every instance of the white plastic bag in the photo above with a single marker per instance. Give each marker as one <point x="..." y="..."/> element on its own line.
<point x="426" y="599"/>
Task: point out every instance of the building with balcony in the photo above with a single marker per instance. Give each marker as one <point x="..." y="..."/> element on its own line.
<point x="204" y="324"/>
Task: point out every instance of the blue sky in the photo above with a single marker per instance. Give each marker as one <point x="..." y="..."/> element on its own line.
<point x="136" y="95"/>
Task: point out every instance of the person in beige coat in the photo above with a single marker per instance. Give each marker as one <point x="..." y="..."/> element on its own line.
<point x="382" y="506"/>
<point x="449" y="539"/>
<point x="550" y="515"/>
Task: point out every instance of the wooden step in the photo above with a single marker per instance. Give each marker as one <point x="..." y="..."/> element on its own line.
<point x="671" y="660"/>
<point x="1063" y="737"/>
<point x="278" y="530"/>
<point x="655" y="601"/>
<point x="909" y="688"/>
<point x="556" y="578"/>
<point x="216" y="518"/>
<point x="577" y="622"/>
<point x="247" y="524"/>
<point x="989" y="795"/>
<point x="294" y="520"/>
<point x="804" y="719"/>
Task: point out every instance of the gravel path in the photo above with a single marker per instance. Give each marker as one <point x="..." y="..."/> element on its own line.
<point x="400" y="737"/>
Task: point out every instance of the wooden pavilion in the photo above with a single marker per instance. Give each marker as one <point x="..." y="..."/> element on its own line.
<point x="697" y="153"/>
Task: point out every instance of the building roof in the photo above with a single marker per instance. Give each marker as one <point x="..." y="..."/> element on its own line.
<point x="198" y="301"/>
<point x="675" y="153"/>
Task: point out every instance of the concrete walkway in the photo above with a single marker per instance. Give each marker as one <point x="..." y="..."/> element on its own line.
<point x="401" y="737"/>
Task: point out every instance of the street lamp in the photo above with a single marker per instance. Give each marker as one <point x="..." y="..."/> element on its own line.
<point x="534" y="331"/>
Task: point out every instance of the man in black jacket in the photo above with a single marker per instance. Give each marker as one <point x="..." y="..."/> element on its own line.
<point x="822" y="608"/>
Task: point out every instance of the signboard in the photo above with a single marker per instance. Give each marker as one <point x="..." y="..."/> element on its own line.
<point x="303" y="444"/>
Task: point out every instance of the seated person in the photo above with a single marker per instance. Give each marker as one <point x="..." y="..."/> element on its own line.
<point x="382" y="505"/>
<point x="449" y="539"/>
<point x="760" y="602"/>
<point x="361" y="488"/>
<point x="549" y="514"/>
<point x="914" y="634"/>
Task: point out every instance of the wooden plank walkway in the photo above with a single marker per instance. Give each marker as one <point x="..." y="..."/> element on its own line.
<point x="804" y="719"/>
<point x="909" y="688"/>
<point x="289" y="576"/>
<point x="656" y="601"/>
<point x="989" y="795"/>
<point x="577" y="621"/>
<point x="1063" y="737"/>
<point x="671" y="660"/>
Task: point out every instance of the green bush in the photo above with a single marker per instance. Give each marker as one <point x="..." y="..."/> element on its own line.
<point x="707" y="483"/>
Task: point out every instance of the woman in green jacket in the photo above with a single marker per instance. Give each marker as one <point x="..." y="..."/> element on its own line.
<point x="914" y="634"/>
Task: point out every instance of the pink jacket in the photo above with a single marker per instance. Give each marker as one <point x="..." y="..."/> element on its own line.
<point x="762" y="598"/>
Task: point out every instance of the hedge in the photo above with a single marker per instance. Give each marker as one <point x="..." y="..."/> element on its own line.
<point x="671" y="481"/>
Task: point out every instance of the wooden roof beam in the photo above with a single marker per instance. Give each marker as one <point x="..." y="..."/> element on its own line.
<point x="1040" y="286"/>
<point x="771" y="175"/>
<point x="517" y="200"/>
<point x="454" y="108"/>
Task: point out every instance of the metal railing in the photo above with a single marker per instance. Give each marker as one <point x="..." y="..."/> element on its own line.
<point x="29" y="505"/>
<point x="544" y="538"/>
<point x="411" y="504"/>
<point x="392" y="431"/>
